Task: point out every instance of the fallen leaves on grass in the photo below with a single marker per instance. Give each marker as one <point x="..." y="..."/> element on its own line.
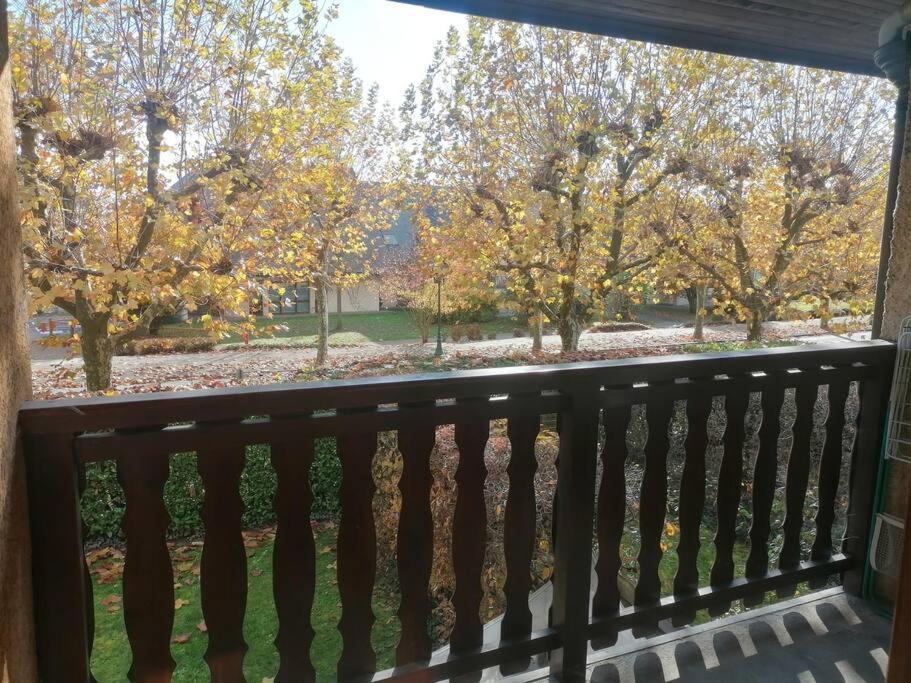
<point x="112" y="602"/>
<point x="146" y="374"/>
<point x="106" y="563"/>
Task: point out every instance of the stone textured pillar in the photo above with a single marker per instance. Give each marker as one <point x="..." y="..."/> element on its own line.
<point x="897" y="304"/>
<point x="893" y="303"/>
<point x="893" y="59"/>
<point x="17" y="650"/>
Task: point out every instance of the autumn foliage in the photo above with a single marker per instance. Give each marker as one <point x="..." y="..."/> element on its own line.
<point x="196" y="155"/>
<point x="590" y="173"/>
<point x="162" y="149"/>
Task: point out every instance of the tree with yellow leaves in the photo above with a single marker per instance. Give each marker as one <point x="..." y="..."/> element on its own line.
<point x="544" y="147"/>
<point x="329" y="197"/>
<point x="147" y="131"/>
<point x="788" y="204"/>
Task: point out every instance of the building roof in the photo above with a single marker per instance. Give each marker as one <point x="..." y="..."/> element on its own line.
<point x="829" y="34"/>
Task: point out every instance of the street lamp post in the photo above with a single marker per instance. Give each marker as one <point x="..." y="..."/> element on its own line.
<point x="439" y="351"/>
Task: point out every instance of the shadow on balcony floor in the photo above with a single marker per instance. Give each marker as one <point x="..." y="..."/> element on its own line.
<point x="819" y="638"/>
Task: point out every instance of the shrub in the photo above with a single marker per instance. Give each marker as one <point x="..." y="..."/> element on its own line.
<point x="307" y="341"/>
<point x="618" y="326"/>
<point x="481" y="311"/>
<point x="423" y="319"/>
<point x="325" y="479"/>
<point x="103" y="504"/>
<point x="455" y="331"/>
<point x="473" y="332"/>
<point x="518" y="332"/>
<point x="492" y="335"/>
<point x="149" y="345"/>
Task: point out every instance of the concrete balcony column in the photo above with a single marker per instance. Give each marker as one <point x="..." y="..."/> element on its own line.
<point x="893" y="303"/>
<point x="893" y="59"/>
<point x="893" y="292"/>
<point x="17" y="650"/>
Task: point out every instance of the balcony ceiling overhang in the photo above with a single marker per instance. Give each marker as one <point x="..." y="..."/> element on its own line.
<point x="828" y="34"/>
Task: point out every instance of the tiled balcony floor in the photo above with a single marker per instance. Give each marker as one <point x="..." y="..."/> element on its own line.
<point x="820" y="638"/>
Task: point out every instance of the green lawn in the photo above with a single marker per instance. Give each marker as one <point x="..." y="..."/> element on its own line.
<point x="111" y="654"/>
<point x="380" y="326"/>
<point x="711" y="347"/>
<point x="336" y="340"/>
<point x="667" y="569"/>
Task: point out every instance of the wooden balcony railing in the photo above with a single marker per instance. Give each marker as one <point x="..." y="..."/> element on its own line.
<point x="593" y="402"/>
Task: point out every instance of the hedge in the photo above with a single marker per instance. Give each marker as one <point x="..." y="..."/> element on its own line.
<point x="146" y="346"/>
<point x="103" y="502"/>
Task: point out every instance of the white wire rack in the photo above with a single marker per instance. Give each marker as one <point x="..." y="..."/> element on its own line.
<point x="898" y="433"/>
<point x="888" y="537"/>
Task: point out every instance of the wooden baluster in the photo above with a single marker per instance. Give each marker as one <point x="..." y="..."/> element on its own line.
<point x="356" y="553"/>
<point x="653" y="502"/>
<point x="611" y="514"/>
<point x="765" y="474"/>
<point x="223" y="568"/>
<point x="829" y="473"/>
<point x="692" y="494"/>
<point x="469" y="536"/>
<point x="730" y="484"/>
<point x="798" y="477"/>
<point x="148" y="578"/>
<point x="63" y="600"/>
<point x="519" y="531"/>
<point x="573" y="549"/>
<point x="553" y="516"/>
<point x="414" y="544"/>
<point x="293" y="560"/>
<point x="89" y="588"/>
<point x="873" y="396"/>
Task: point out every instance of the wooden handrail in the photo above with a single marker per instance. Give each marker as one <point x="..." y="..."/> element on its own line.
<point x="143" y="410"/>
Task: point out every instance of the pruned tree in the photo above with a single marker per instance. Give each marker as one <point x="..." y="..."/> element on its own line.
<point x="141" y="131"/>
<point x="546" y="145"/>
<point x="329" y="197"/>
<point x="789" y="205"/>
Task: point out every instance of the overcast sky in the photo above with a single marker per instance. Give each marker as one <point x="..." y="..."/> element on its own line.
<point x="390" y="43"/>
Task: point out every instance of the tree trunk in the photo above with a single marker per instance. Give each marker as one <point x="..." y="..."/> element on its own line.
<point x="98" y="355"/>
<point x="625" y="311"/>
<point x="569" y="324"/>
<point x="754" y="326"/>
<point x="620" y="307"/>
<point x="692" y="298"/>
<point x="577" y="334"/>
<point x="570" y="330"/>
<point x="338" y="308"/>
<point x="322" y="313"/>
<point x="537" y="330"/>
<point x="825" y="313"/>
<point x="700" y="308"/>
